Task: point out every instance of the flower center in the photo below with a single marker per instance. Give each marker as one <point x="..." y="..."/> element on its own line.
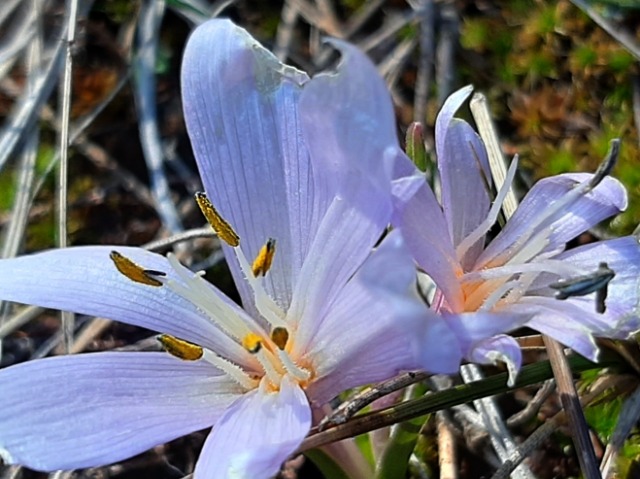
<point x="506" y="277"/>
<point x="271" y="350"/>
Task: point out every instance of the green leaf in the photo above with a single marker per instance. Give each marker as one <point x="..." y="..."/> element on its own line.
<point x="329" y="468"/>
<point x="395" y="459"/>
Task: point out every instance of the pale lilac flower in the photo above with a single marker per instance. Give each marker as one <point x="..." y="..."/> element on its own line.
<point x="489" y="287"/>
<point x="281" y="157"/>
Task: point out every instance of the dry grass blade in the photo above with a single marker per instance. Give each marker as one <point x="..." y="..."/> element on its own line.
<point x="561" y="370"/>
<point x="445" y="52"/>
<point x="392" y="27"/>
<point x="482" y="117"/>
<point x="501" y="439"/>
<point x="68" y="319"/>
<point x="535" y="440"/>
<point x="426" y="13"/>
<point x="625" y="38"/>
<point x="18" y="320"/>
<point x="309" y="12"/>
<point x="636" y="104"/>
<point x="26" y="109"/>
<point x="18" y="220"/>
<point x="284" y="36"/>
<point x="145" y="86"/>
<point x="23" y="199"/>
<point x="357" y="20"/>
<point x="165" y="243"/>
<point x="12" y="472"/>
<point x="20" y="34"/>
<point x="446" y="449"/>
<point x="393" y="64"/>
<point x="500" y="436"/>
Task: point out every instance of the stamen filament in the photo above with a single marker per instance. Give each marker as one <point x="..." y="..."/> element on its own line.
<point x="549" y="215"/>
<point x="531" y="249"/>
<point x="265" y="305"/>
<point x="475" y="297"/>
<point x="197" y="291"/>
<point x="491" y="300"/>
<point x="232" y="370"/>
<point x="483" y="228"/>
<point x="269" y="369"/>
<point x="557" y="267"/>
<point x="292" y="368"/>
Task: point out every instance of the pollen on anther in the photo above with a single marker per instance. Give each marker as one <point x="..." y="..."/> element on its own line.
<point x="135" y="272"/>
<point x="223" y="229"/>
<point x="252" y="343"/>
<point x="280" y="336"/>
<point x="263" y="260"/>
<point x="180" y="348"/>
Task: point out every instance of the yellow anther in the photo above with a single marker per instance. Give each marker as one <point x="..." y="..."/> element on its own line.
<point x="280" y="336"/>
<point x="263" y="261"/>
<point x="134" y="272"/>
<point x="223" y="229"/>
<point x="180" y="348"/>
<point x="252" y="343"/>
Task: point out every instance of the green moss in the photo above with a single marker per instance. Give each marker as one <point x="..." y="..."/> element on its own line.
<point x="9" y="177"/>
<point x="120" y="11"/>
<point x="584" y="56"/>
<point x="7" y="189"/>
<point x="546" y="21"/>
<point x="603" y="416"/>
<point x="475" y="34"/>
<point x="561" y="161"/>
<point x="41" y="234"/>
<point x="408" y="32"/>
<point x="620" y="61"/>
<point x="542" y="65"/>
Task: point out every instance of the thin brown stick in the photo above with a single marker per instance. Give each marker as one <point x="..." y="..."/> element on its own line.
<point x="560" y="367"/>
<point x="446" y="449"/>
<point x="571" y="404"/>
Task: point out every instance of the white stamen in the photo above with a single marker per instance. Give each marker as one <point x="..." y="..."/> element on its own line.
<point x="548" y="215"/>
<point x="197" y="292"/>
<point x="265" y="305"/>
<point x="544" y="220"/>
<point x="483" y="228"/>
<point x="292" y="368"/>
<point x="531" y="249"/>
<point x="516" y="293"/>
<point x="558" y="267"/>
<point x="497" y="295"/>
<point x="269" y="370"/>
<point x="232" y="370"/>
